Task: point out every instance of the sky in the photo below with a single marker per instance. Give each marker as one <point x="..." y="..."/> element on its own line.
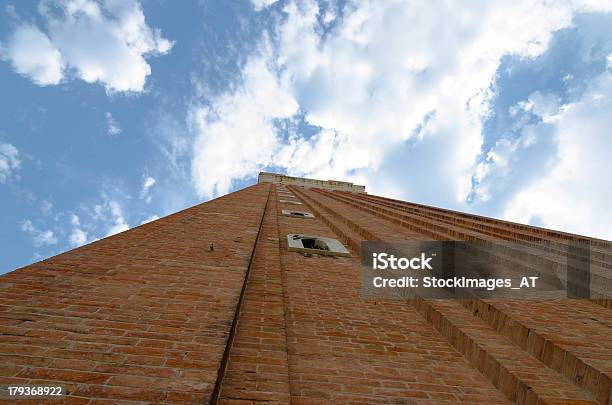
<point x="114" y="113"/>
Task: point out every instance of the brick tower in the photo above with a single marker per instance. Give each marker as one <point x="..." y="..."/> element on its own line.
<point x="216" y="304"/>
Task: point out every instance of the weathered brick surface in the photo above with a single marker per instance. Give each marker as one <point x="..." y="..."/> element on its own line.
<point x="143" y="315"/>
<point x="521" y="371"/>
<point x="257" y="369"/>
<point x="146" y="316"/>
<point x="561" y="347"/>
<point x="344" y="348"/>
<point x="545" y="256"/>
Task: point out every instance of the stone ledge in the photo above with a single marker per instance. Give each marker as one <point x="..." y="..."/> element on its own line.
<point x="275" y="178"/>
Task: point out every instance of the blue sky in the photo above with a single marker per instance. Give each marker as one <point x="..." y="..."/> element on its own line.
<point x="114" y="113"/>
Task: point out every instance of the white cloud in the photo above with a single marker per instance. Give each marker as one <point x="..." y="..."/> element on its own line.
<point x="119" y="223"/>
<point x="514" y="160"/>
<point x="371" y="84"/>
<point x="538" y="103"/>
<point x="261" y="4"/>
<point x="9" y="161"/>
<point x="74" y="220"/>
<point x="98" y="42"/>
<point x="39" y="237"/>
<point x="108" y="217"/>
<point x="574" y="194"/>
<point x="147" y="183"/>
<point x="77" y="237"/>
<point x="113" y="128"/>
<point x="236" y="134"/>
<point x="32" y="54"/>
<point x="377" y="79"/>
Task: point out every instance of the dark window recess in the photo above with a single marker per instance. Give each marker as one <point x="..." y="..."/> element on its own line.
<point x="318" y="245"/>
<point x="311" y="243"/>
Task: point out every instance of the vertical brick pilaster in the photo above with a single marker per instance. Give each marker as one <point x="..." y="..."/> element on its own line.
<point x="257" y="369"/>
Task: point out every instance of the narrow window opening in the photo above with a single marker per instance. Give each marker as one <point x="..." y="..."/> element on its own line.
<point x="312" y="243"/>
<point x="298" y="214"/>
<point x="317" y="245"/>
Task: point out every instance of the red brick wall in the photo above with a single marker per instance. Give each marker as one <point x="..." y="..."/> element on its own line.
<point x="143" y="315"/>
<point x="149" y="315"/>
<point x="258" y="366"/>
<point x="344" y="348"/>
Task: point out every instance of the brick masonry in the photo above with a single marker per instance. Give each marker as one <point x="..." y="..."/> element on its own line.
<point x="143" y="315"/>
<point x="152" y="315"/>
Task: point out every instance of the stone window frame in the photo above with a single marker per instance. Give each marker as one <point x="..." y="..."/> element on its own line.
<point x="316" y="244"/>
<point x="298" y="214"/>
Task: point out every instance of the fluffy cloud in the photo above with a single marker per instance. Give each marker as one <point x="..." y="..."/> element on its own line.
<point x="377" y="79"/>
<point x="112" y="126"/>
<point x="147" y="183"/>
<point x="110" y="215"/>
<point x="9" y="161"/>
<point x="119" y="222"/>
<point x="75" y="220"/>
<point x="261" y="4"/>
<point x="104" y="219"/>
<point x="577" y="175"/>
<point x="77" y="236"/>
<point x="99" y="42"/>
<point x="236" y="134"/>
<point x="396" y="94"/>
<point x="39" y="237"/>
<point x="513" y="161"/>
<point x="32" y="54"/>
<point x="370" y="83"/>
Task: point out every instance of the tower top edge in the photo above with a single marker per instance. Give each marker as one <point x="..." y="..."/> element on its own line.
<point x="275" y="178"/>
